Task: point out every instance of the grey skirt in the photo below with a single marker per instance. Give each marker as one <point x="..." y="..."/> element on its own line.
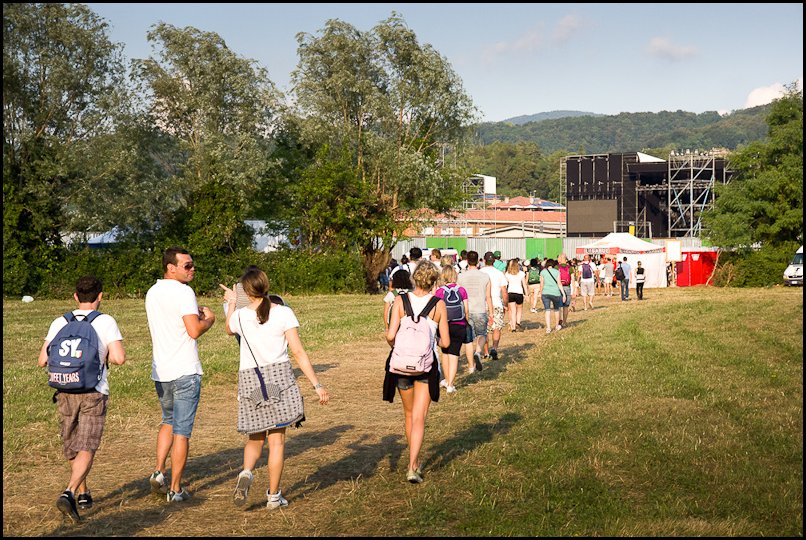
<point x="283" y="407"/>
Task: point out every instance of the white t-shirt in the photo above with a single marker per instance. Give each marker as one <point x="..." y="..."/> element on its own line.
<point x="497" y="280"/>
<point x="515" y="282"/>
<point x="175" y="353"/>
<point x="593" y="272"/>
<point x="267" y="340"/>
<point x="108" y="331"/>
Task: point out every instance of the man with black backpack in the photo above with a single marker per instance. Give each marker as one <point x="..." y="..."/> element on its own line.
<point x="77" y="351"/>
<point x="588" y="275"/>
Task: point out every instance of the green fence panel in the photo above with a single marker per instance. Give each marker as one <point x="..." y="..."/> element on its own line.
<point x="535" y="248"/>
<point x="554" y="246"/>
<point x="446" y="242"/>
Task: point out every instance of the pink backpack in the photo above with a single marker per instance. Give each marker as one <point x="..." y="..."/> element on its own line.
<point x="413" y="353"/>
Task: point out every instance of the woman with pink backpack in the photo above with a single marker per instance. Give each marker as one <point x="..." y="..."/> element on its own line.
<point x="412" y="366"/>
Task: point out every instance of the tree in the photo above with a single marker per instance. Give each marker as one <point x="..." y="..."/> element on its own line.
<point x="219" y="109"/>
<point x="392" y="105"/>
<point x="61" y="82"/>
<point x="764" y="202"/>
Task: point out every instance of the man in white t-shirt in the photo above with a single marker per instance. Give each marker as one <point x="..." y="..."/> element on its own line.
<point x="500" y="298"/>
<point x="175" y="322"/>
<point x="83" y="415"/>
<point x="587" y="285"/>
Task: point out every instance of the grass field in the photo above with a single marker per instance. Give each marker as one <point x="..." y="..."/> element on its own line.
<point x="679" y="415"/>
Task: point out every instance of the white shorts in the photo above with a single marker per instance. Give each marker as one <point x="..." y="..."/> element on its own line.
<point x="587" y="288"/>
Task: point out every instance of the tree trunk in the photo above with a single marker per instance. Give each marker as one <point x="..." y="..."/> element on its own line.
<point x="375" y="259"/>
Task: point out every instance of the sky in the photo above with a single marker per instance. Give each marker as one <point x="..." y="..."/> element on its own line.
<point x="521" y="59"/>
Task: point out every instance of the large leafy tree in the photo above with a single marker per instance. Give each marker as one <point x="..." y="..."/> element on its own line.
<point x="764" y="203"/>
<point x="218" y="109"/>
<point x="61" y="81"/>
<point x="390" y="105"/>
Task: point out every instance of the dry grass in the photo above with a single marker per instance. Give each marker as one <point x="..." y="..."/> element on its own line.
<point x="344" y="468"/>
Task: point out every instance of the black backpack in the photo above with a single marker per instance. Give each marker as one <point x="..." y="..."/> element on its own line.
<point x="74" y="359"/>
<point x="619" y="273"/>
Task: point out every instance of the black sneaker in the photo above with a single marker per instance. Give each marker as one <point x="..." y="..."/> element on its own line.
<point x="84" y="500"/>
<point x="66" y="504"/>
<point x="477" y="358"/>
<point x="494" y="354"/>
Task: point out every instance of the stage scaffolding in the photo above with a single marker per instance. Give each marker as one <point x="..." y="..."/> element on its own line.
<point x="666" y="198"/>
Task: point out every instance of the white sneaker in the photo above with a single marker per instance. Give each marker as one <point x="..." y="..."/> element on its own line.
<point x="276" y="501"/>
<point x="548" y="330"/>
<point x="471" y="370"/>
<point x="451" y="389"/>
<point x="533" y="310"/>
<point x="158" y="485"/>
<point x="242" y="488"/>
<point x="443" y="383"/>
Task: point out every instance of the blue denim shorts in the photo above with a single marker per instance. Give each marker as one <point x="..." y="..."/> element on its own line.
<point x="179" y="400"/>
<point x="478" y="321"/>
<point x="548" y="300"/>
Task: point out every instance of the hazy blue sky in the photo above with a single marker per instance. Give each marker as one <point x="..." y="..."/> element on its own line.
<point x="517" y="59"/>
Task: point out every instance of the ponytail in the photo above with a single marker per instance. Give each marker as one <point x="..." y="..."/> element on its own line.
<point x="263" y="310"/>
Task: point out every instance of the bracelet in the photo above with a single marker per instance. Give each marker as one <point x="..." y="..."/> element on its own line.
<point x="317" y="386"/>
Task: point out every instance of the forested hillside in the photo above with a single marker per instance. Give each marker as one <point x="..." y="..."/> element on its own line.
<point x="628" y="132"/>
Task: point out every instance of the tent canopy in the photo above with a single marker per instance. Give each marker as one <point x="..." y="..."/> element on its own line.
<point x="615" y="243"/>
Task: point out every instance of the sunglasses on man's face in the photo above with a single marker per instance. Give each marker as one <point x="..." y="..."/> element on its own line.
<point x="186" y="266"/>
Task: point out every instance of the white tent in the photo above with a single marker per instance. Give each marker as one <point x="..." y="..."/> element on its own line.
<point x="621" y="245"/>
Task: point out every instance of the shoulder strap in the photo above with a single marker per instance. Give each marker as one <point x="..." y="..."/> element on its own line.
<point x="70" y="316"/>
<point x="92" y="315"/>
<point x="243" y="333"/>
<point x="429" y="306"/>
<point x="407" y="305"/>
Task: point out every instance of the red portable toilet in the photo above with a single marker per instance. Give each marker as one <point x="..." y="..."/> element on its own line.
<point x="696" y="267"/>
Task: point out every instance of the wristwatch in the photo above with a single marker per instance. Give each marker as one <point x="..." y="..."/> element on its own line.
<point x="317" y="386"/>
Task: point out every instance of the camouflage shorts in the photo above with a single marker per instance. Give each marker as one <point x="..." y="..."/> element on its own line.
<point x="498" y="318"/>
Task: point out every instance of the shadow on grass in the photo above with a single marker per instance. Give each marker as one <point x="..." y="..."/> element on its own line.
<point x="203" y="472"/>
<point x="361" y="463"/>
<point x="491" y="369"/>
<point x="468" y="439"/>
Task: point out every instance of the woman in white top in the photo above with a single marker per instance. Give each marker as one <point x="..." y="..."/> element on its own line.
<point x="267" y="330"/>
<point x="516" y="289"/>
<point x="417" y="392"/>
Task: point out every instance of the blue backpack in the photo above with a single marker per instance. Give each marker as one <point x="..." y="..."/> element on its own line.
<point x="454" y="303"/>
<point x="74" y="360"/>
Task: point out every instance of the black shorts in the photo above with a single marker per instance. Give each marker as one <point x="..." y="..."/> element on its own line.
<point x="458" y="333"/>
<point x="515" y="297"/>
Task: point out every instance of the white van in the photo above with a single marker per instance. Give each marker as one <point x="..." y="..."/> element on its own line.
<point x="793" y="275"/>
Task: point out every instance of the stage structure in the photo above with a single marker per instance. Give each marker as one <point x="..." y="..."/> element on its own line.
<point x="638" y="193"/>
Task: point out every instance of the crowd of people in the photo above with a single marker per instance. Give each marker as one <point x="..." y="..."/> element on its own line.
<point x="438" y="302"/>
<point x="478" y="302"/>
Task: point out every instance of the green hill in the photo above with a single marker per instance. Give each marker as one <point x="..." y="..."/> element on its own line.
<point x="551" y="115"/>
<point x="627" y="132"/>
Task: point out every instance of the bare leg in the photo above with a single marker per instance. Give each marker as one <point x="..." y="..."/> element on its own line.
<point x="253" y="450"/>
<point x="80" y="467"/>
<point x="276" y="458"/>
<point x="451" y="366"/>
<point x="415" y="405"/>
<point x="179" y="457"/>
<point x="165" y="438"/>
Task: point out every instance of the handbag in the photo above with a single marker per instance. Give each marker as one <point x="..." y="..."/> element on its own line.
<point x="275" y="403"/>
